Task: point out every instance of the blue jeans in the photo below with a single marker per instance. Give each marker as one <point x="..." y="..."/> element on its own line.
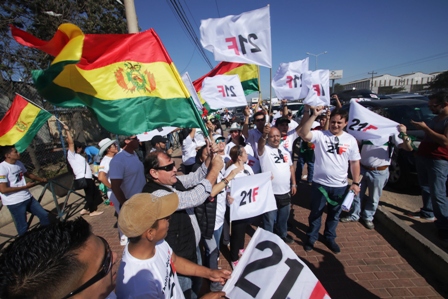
<point x="211" y="258"/>
<point x="299" y="169"/>
<point x="191" y="285"/>
<point x="18" y="213"/>
<point x="318" y="203"/>
<point x="279" y="219"/>
<point x="432" y="175"/>
<point x="423" y="179"/>
<point x="375" y="180"/>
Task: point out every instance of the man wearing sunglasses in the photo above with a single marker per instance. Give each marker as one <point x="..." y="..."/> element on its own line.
<point x="276" y="159"/>
<point x="193" y="189"/>
<point x="334" y="150"/>
<point x="149" y="267"/>
<point x="65" y="261"/>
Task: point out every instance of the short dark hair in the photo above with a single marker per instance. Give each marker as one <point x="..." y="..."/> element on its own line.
<point x="258" y="113"/>
<point x="79" y="145"/>
<point x="152" y="161"/>
<point x="341" y="112"/>
<point x="440" y="97"/>
<point x="43" y="262"/>
<point x="5" y="149"/>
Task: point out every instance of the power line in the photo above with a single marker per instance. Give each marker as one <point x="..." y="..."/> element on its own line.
<point x="177" y="6"/>
<point x="409" y="63"/>
<point x="371" y="82"/>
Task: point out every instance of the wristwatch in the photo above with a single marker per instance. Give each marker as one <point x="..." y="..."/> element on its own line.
<point x="355" y="183"/>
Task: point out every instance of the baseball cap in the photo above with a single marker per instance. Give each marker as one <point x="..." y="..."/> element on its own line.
<point x="142" y="210"/>
<point x="156" y="139"/>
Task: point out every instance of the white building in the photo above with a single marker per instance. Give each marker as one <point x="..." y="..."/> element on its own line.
<point x="384" y="83"/>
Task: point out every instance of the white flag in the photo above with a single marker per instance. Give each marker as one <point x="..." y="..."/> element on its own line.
<point x="364" y="124"/>
<point x="269" y="268"/>
<point x="187" y="81"/>
<point x="223" y="91"/>
<point x="163" y="131"/>
<point x="252" y="196"/>
<point x="244" y="38"/>
<point x="318" y="83"/>
<point x="287" y="82"/>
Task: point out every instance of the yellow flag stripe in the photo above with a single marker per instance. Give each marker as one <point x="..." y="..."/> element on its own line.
<point x="123" y="80"/>
<point x="24" y="122"/>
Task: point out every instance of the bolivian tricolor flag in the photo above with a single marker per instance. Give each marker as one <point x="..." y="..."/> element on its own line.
<point x="128" y="80"/>
<point x="21" y="123"/>
<point x="248" y="74"/>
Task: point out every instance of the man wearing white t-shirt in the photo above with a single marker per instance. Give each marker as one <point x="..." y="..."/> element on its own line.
<point x="126" y="173"/>
<point x="149" y="266"/>
<point x="375" y="161"/>
<point x="276" y="159"/>
<point x="14" y="190"/>
<point x="333" y="151"/>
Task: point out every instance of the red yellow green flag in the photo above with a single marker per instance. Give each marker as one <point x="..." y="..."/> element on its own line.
<point x="128" y="80"/>
<point x="248" y="74"/>
<point x="21" y="123"/>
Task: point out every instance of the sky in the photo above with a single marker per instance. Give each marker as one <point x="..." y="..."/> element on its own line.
<point x="384" y="36"/>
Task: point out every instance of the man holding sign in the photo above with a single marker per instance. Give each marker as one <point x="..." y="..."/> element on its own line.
<point x="333" y="150"/>
<point x="375" y="158"/>
<point x="277" y="160"/>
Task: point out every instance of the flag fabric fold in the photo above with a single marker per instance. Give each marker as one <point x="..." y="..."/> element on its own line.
<point x="288" y="83"/>
<point x="128" y="80"/>
<point x="364" y="124"/>
<point x="21" y="123"/>
<point x="248" y="74"/>
<point x="239" y="38"/>
<point x="318" y="85"/>
<point x="223" y="91"/>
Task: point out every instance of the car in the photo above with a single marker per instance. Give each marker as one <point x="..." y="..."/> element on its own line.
<point x="346" y="95"/>
<point x="407" y="96"/>
<point x="403" y="167"/>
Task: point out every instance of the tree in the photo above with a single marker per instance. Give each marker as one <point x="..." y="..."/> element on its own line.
<point x="42" y="18"/>
<point x="338" y="88"/>
<point x="440" y="81"/>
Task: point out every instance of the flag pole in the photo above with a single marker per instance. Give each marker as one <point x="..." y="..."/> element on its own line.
<point x="40" y="107"/>
<point x="270" y="91"/>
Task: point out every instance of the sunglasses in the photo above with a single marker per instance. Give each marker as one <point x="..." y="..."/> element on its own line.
<point x="106" y="266"/>
<point x="168" y="167"/>
<point x="259" y="119"/>
<point x="218" y="141"/>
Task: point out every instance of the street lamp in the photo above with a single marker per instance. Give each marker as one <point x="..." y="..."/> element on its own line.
<point x="316" y="55"/>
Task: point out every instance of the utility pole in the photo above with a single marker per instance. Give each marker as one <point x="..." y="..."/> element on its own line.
<point x="371" y="81"/>
<point x="131" y="16"/>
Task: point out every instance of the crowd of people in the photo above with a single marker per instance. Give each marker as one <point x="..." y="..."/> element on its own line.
<point x="172" y="225"/>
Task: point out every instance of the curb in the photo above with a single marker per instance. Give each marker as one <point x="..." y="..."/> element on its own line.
<point x="434" y="258"/>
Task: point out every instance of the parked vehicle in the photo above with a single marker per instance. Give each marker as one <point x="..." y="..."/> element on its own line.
<point x="346" y="95"/>
<point x="402" y="168"/>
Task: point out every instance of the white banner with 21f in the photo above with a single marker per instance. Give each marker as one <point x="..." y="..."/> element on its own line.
<point x="270" y="269"/>
<point x="252" y="196"/>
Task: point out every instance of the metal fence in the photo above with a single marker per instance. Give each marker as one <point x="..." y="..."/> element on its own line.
<point x="45" y="154"/>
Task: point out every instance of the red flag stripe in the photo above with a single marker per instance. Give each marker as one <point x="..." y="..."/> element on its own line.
<point x="318" y="292"/>
<point x="12" y="115"/>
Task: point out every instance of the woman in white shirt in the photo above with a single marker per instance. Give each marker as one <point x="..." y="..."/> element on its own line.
<point x="81" y="169"/>
<point x="238" y="228"/>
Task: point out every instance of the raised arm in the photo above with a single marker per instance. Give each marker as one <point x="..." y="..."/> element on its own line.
<point x="263" y="138"/>
<point x="307" y="122"/>
<point x="71" y="144"/>
<point x="246" y="122"/>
